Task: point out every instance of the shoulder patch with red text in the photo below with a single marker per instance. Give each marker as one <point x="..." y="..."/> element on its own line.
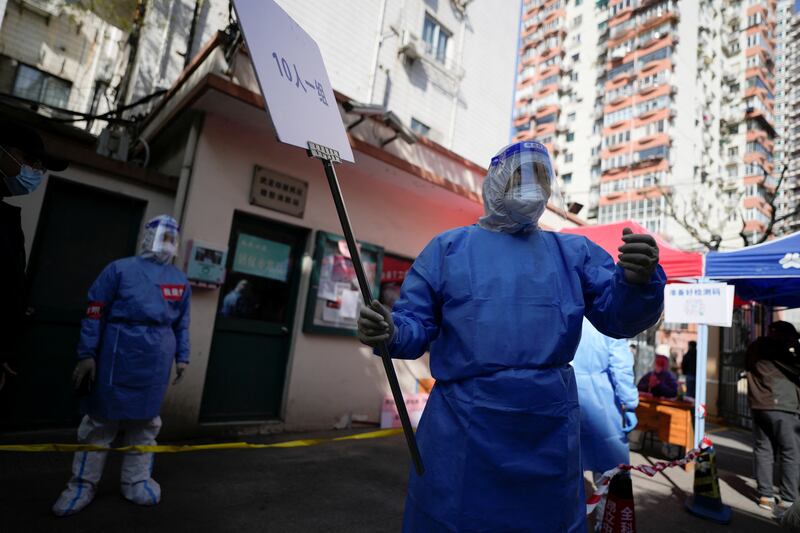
<point x="95" y="310"/>
<point x="172" y="293"/>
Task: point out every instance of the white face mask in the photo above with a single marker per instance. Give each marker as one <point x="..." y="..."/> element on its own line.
<point x="526" y="212"/>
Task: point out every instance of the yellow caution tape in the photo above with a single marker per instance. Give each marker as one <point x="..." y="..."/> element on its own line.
<point x="166" y="448"/>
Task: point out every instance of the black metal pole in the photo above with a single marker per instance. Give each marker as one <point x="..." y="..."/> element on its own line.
<point x="366" y="293"/>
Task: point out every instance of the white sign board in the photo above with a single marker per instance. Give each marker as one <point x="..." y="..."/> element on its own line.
<point x="699" y="303"/>
<point x="292" y="78"/>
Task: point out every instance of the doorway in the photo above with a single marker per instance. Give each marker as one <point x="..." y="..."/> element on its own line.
<point x="81" y="229"/>
<point x="252" y="334"/>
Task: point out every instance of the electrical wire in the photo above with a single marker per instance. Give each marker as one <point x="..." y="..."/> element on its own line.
<point x="79" y="116"/>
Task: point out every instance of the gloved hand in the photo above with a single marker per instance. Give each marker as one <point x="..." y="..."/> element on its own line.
<point x="179" y="369"/>
<point x="638" y="256"/>
<point x="629" y="421"/>
<point x="375" y="325"/>
<point x="84" y="367"/>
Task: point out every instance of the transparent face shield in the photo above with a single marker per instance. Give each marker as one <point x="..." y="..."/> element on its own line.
<point x="165" y="237"/>
<point x="532" y="179"/>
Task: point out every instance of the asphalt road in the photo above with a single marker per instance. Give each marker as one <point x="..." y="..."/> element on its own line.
<point x="348" y="486"/>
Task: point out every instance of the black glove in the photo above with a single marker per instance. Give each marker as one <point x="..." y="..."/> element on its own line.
<point x="375" y="325"/>
<point x="638" y="256"/>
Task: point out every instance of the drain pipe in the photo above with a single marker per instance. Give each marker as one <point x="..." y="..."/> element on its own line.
<point x="185" y="177"/>
<point x="373" y="75"/>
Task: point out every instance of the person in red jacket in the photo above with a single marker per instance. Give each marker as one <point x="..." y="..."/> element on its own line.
<point x="659" y="381"/>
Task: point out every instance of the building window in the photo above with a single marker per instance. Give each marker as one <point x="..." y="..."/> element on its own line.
<point x="566" y="178"/>
<point x="436" y="38"/>
<point x="568" y="157"/>
<point x="419" y="128"/>
<point x="571" y="117"/>
<point x="570" y="136"/>
<point x="33" y="84"/>
<point x="547" y="119"/>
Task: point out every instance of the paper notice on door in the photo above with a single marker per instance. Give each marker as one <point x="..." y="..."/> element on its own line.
<point x="331" y="312"/>
<point x="327" y="290"/>
<point x="349" y="307"/>
<point x="326" y="269"/>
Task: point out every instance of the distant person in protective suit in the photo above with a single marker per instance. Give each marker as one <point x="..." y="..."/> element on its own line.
<point x="608" y="399"/>
<point x="136" y="327"/>
<point x="500" y="305"/>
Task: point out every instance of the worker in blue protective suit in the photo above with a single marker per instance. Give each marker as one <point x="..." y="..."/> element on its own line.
<point x="136" y="326"/>
<point x="499" y="305"/>
<point x="608" y="398"/>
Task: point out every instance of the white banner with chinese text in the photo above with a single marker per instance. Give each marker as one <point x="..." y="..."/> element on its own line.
<point x="699" y="303"/>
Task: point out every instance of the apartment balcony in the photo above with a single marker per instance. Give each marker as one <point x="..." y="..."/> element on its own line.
<point x="732" y="115"/>
<point x="731" y="48"/>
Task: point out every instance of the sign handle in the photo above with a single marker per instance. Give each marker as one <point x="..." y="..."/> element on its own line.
<point x="328" y="158"/>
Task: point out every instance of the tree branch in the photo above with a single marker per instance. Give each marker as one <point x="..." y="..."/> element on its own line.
<point x="771" y="203"/>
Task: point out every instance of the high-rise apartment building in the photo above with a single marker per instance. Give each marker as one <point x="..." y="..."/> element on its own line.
<point x="787" y="117"/>
<point x="644" y="103"/>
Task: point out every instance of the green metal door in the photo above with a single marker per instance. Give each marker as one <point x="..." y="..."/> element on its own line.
<point x="81" y="229"/>
<point x="252" y="333"/>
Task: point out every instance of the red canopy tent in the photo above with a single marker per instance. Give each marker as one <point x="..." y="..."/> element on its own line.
<point x="676" y="263"/>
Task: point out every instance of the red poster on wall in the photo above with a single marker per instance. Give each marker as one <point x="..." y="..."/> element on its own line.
<point x="392" y="276"/>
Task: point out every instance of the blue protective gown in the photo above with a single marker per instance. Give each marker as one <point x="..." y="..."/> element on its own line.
<point x="604" y="374"/>
<point x="136" y="326"/>
<point x="501" y="315"/>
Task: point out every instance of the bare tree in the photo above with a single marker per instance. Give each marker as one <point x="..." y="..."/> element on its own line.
<point x="708" y="210"/>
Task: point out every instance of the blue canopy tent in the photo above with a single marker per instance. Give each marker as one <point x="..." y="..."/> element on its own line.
<point x="767" y="273"/>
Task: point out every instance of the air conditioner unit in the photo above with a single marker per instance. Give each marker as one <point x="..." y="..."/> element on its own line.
<point x="618" y="54"/>
<point x="637" y="157"/>
<point x="410" y="46"/>
<point x="114" y="142"/>
<point x="675" y="39"/>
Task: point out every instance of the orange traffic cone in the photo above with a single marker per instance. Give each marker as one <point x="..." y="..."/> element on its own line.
<point x="706" y="501"/>
<point x="619" y="515"/>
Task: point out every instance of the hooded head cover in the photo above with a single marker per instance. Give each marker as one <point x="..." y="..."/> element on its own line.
<point x="516" y="189"/>
<point x="160" y="240"/>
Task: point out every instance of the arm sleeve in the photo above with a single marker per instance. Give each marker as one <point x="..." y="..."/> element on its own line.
<point x="621" y="370"/>
<point x="101" y="296"/>
<point x="643" y="382"/>
<point x="417" y="313"/>
<point x="181" y="327"/>
<point x="615" y="307"/>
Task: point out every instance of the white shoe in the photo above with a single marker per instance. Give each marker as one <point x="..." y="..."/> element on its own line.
<point x="146" y="492"/>
<point x="75" y="497"/>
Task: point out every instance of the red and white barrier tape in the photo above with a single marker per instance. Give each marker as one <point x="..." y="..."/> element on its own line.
<point x="649" y="470"/>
